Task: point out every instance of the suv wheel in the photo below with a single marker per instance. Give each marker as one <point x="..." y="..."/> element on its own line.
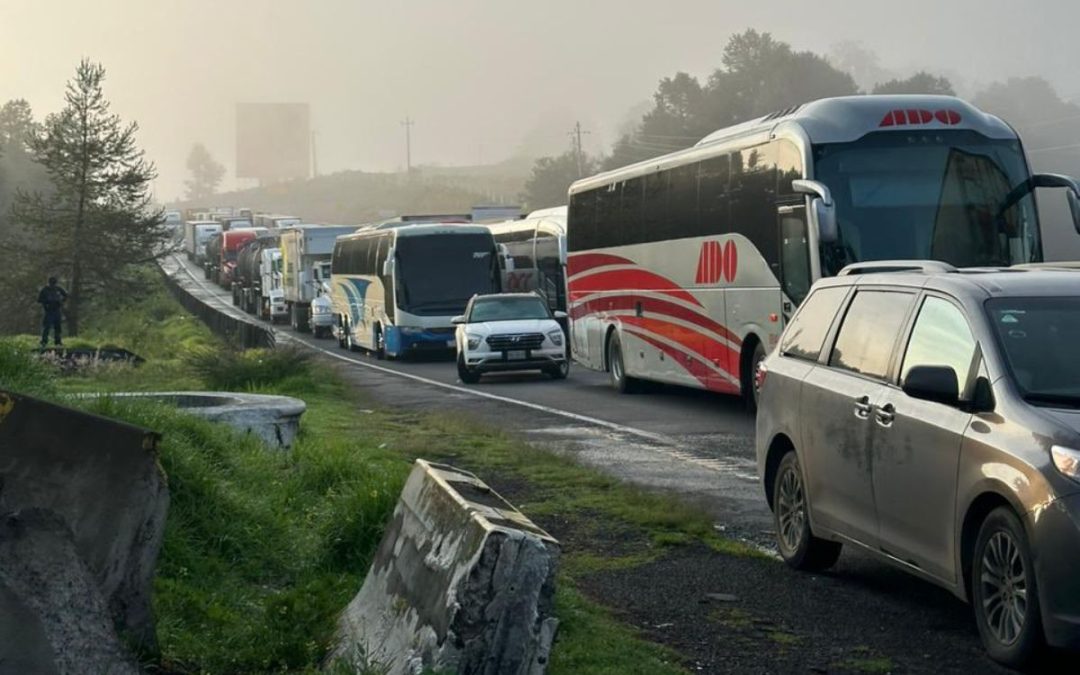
<point x="1004" y="591"/>
<point x="467" y="374"/>
<point x="623" y="383"/>
<point x="798" y="546"/>
<point x="559" y="372"/>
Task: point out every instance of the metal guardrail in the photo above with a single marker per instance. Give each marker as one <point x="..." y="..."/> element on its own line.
<point x="243" y="332"/>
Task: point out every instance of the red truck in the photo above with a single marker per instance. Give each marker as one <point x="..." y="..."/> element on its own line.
<point x="231" y="243"/>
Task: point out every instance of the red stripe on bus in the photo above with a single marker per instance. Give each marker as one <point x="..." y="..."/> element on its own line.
<point x="713" y="351"/>
<point x="657" y="305"/>
<point x="693" y="365"/>
<point x="581" y="262"/>
<point x="629" y="280"/>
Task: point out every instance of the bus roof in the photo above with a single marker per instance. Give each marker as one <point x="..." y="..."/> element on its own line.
<point x="831" y="120"/>
<point x="419" y="230"/>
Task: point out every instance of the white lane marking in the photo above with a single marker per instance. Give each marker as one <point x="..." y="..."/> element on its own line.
<point x="726" y="467"/>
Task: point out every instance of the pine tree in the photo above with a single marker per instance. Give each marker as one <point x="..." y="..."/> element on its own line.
<point x="96" y="222"/>
<point x="206" y="173"/>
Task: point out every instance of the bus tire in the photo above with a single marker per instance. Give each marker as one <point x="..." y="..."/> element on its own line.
<point x="751" y="362"/>
<point x="380" y="344"/>
<point x="620" y="381"/>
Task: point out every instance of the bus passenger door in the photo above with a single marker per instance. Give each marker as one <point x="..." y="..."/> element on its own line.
<point x="794" y="272"/>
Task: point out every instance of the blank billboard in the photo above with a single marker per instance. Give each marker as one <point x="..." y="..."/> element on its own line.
<point x="273" y="141"/>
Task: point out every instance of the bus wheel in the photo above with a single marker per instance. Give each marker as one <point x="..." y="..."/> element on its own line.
<point x="380" y="344"/>
<point x="620" y="381"/>
<point x="750" y="388"/>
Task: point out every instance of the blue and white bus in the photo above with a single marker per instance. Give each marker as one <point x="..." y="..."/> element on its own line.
<point x="395" y="289"/>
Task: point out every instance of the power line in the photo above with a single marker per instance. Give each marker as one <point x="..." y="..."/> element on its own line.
<point x="575" y="136"/>
<point x="408" y="123"/>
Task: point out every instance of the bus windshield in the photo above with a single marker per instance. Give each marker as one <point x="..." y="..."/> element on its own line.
<point x="935" y="195"/>
<point x="438" y="273"/>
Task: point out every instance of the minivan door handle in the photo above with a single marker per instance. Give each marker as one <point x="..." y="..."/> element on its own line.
<point x="886" y="414"/>
<point x="863" y="407"/>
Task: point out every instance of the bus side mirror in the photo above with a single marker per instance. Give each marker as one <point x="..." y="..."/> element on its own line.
<point x="1074" y="209"/>
<point x="822" y="207"/>
<point x="388" y="264"/>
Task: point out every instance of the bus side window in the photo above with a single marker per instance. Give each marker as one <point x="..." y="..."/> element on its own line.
<point x="631" y="205"/>
<point x="583" y="216"/>
<point x="713" y="196"/>
<point x="608" y="230"/>
<point x="753" y="196"/>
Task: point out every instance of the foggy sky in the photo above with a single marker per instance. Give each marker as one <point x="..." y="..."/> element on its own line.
<point x="480" y="77"/>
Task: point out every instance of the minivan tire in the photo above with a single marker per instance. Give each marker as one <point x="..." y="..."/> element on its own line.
<point x="1002" y="538"/>
<point x="798" y="546"/>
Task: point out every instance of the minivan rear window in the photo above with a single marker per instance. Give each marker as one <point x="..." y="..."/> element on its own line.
<point x="867" y="337"/>
<point x="806" y="334"/>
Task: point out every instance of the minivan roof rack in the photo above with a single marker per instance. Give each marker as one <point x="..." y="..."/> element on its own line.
<point x="876" y="266"/>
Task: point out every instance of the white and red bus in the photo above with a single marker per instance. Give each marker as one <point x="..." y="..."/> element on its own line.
<point x="683" y="268"/>
<point x="533" y="256"/>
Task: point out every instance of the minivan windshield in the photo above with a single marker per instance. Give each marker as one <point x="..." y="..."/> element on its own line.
<point x="1039" y="337"/>
<point x="928" y="195"/>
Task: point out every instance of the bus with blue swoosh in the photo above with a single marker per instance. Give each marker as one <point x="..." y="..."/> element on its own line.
<point x="395" y="287"/>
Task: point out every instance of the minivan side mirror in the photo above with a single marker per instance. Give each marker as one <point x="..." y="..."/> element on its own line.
<point x="933" y="383"/>
<point x="458" y="320"/>
<point x="822" y="207"/>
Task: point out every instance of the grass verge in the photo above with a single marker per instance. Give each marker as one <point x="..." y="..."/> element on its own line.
<point x="263" y="549"/>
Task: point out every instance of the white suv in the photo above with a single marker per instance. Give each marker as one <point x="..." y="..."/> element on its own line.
<point x="510" y="331"/>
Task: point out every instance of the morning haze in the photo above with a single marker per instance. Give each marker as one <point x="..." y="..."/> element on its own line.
<point x="483" y="79"/>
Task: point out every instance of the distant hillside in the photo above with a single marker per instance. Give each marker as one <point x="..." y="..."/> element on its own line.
<point x="356" y="196"/>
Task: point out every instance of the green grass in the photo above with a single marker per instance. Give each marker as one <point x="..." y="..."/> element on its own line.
<point x="263" y="549"/>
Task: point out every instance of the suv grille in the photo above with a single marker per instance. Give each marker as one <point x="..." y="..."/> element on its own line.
<point x="516" y="341"/>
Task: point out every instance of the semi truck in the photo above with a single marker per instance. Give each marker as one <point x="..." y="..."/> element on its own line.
<point x="222" y="252"/>
<point x="303" y="248"/>
<point x="257" y="279"/>
<point x="196" y="234"/>
<point x="275" y="221"/>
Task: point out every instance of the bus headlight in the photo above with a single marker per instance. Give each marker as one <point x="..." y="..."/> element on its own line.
<point x="473" y="341"/>
<point x="556" y="337"/>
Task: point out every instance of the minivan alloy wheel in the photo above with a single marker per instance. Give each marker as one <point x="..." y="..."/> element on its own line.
<point x="1004" y="580"/>
<point x="791" y="508"/>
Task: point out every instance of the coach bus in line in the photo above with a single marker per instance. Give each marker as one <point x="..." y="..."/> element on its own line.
<point x="684" y="268"/>
<point x="533" y="252"/>
<point x="394" y="290"/>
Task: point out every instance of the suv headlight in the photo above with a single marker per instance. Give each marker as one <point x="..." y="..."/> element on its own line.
<point x="1067" y="461"/>
<point x="556" y="337"/>
<point x="472" y="340"/>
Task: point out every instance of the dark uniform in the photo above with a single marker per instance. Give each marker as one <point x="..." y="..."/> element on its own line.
<point x="52" y="299"/>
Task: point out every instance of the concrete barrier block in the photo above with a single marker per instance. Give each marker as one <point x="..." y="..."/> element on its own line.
<point x="462" y="582"/>
<point x="101" y="478"/>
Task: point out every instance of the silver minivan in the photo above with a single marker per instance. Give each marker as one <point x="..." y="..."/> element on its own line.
<point x="931" y="416"/>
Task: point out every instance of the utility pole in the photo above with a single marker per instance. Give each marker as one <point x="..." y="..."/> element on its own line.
<point x="314" y="158"/>
<point x="575" y="137"/>
<point x="407" y="123"/>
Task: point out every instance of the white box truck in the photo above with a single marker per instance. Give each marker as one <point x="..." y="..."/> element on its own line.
<point x="303" y="248"/>
<point x="196" y="234"/>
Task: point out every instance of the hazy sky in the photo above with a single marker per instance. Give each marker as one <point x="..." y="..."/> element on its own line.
<point x="478" y="76"/>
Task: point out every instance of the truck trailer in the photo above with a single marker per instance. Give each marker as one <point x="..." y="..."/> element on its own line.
<point x="196" y="234"/>
<point x="303" y="248"/>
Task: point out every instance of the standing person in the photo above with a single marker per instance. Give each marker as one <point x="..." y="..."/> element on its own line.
<point x="52" y="299"/>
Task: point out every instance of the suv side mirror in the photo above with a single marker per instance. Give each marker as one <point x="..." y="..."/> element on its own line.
<point x="559" y="314"/>
<point x="933" y="383"/>
<point x="821" y="206"/>
<point x="458" y="320"/>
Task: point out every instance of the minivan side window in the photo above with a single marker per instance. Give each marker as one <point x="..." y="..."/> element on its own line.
<point x="941" y="337"/>
<point x="806" y="334"/>
<point x="866" y="339"/>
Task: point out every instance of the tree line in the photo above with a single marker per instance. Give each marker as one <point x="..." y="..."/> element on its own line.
<point x="75" y="203"/>
<point x="759" y="75"/>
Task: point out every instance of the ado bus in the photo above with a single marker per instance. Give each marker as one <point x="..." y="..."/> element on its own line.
<point x="533" y="252"/>
<point x="394" y="290"/>
<point x="684" y="268"/>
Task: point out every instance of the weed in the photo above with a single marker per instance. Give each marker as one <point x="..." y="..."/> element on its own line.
<point x="232" y="370"/>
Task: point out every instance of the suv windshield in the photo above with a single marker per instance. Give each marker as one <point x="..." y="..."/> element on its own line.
<point x="1039" y="337"/>
<point x="508" y="309"/>
<point x="928" y="195"/>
